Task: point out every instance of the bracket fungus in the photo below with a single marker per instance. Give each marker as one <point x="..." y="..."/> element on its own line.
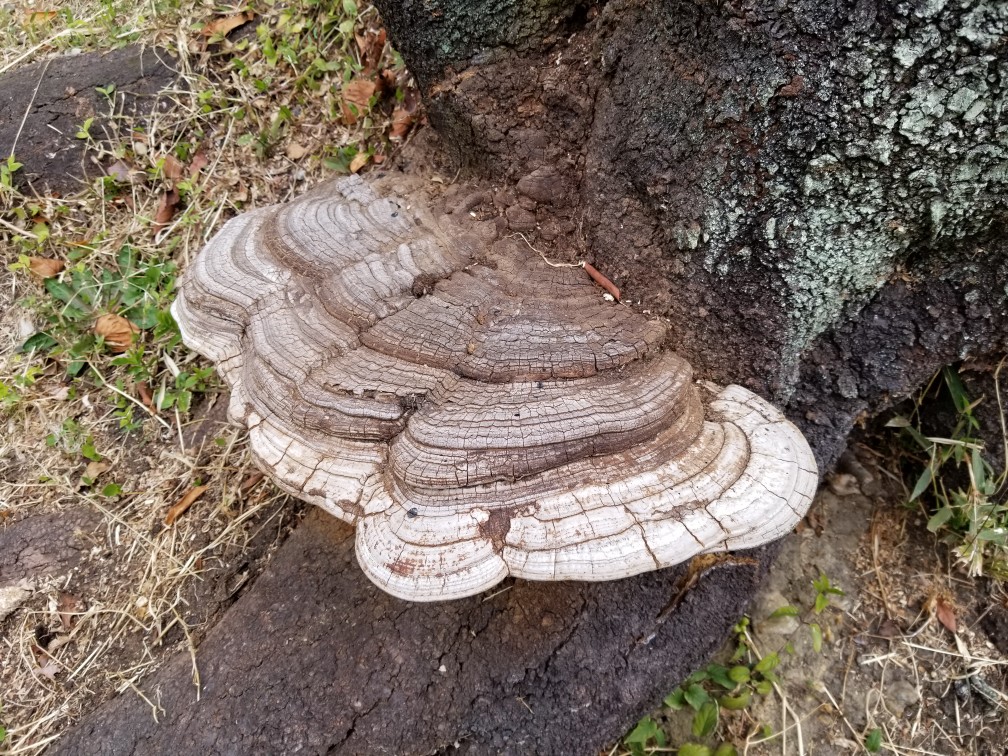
<point x="472" y="410"/>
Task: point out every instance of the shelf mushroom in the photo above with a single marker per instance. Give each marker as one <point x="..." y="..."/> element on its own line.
<point x="474" y="411"/>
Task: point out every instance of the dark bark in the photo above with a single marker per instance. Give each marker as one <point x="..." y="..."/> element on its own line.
<point x="813" y="193"/>
<point x="42" y="107"/>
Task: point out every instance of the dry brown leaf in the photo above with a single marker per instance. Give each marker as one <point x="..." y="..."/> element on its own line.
<point x="180" y="507"/>
<point x="372" y="46"/>
<point x="38" y="17"/>
<point x="357" y="94"/>
<point x="250" y="482"/>
<point x="43" y="267"/>
<point x="166" y="210"/>
<point x="121" y="171"/>
<point x="198" y="163"/>
<point x="172" y="168"/>
<point x="359" y="161"/>
<point x="224" y="25"/>
<point x="116" y="330"/>
<point x="94" y="469"/>
<point x="402" y="119"/>
<point x="296" y="151"/>
<point x="68" y="607"/>
<point x="49" y="669"/>
<point x="146" y="395"/>
<point x="946" y="614"/>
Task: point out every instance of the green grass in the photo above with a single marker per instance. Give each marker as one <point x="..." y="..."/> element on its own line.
<point x="955" y="483"/>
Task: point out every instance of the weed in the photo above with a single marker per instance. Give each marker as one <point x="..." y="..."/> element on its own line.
<point x="972" y="517"/>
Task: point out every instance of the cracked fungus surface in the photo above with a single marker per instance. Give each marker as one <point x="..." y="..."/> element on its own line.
<point x="474" y="411"/>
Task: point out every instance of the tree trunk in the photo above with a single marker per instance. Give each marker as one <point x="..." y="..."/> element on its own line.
<point x="813" y="193"/>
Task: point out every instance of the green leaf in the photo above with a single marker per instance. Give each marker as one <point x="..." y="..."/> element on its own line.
<point x="676" y="699"/>
<point x="898" y="422"/>
<point x="41" y="342"/>
<point x="957" y="390"/>
<point x="694" y="749"/>
<point x="112" y="489"/>
<point x="720" y="675"/>
<point x="784" y="611"/>
<point x="763" y="687"/>
<point x="816" y="637"/>
<point x="89" y="451"/>
<point x="725" y="749"/>
<point x="645" y="730"/>
<point x="821" y="602"/>
<point x="767" y="663"/>
<point x="705" y="720"/>
<point x="939" y="518"/>
<point x="922" y="483"/>
<point x="873" y="743"/>
<point x="350" y="8"/>
<point x="739" y="673"/>
<point x="736" y="703"/>
<point x="696" y="696"/>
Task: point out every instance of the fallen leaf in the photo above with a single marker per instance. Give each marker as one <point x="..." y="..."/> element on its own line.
<point x="197" y="164"/>
<point x="146" y="395"/>
<point x="359" y="161"/>
<point x="120" y="171"/>
<point x="38" y="17"/>
<point x="946" y="614"/>
<point x="402" y="120"/>
<point x="172" y="168"/>
<point x="116" y="330"/>
<point x="295" y="151"/>
<point x="94" y="469"/>
<point x="68" y="607"/>
<point x="166" y="210"/>
<point x="357" y="94"/>
<point x="224" y="25"/>
<point x="250" y="482"/>
<point x="43" y="267"/>
<point x="372" y="46"/>
<point x="49" y="670"/>
<point x="180" y="507"/>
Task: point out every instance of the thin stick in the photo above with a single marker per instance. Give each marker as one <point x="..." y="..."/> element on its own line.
<point x="124" y="395"/>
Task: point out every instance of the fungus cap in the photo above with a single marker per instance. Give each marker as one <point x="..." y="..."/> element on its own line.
<point x="472" y="410"/>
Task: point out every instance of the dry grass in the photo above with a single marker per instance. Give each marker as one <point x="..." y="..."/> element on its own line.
<point x="258" y="115"/>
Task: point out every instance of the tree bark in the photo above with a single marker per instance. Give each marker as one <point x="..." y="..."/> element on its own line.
<point x="813" y="194"/>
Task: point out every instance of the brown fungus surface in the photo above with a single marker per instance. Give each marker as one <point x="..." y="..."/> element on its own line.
<point x="474" y="411"/>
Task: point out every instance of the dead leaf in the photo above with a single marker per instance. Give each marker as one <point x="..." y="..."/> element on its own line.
<point x="402" y="120"/>
<point x="356" y="98"/>
<point x="69" y="607"/>
<point x="166" y="210"/>
<point x="116" y="330"/>
<point x="372" y="46"/>
<point x="121" y="172"/>
<point x="172" y="168"/>
<point x="198" y="163"/>
<point x="250" y="482"/>
<point x="359" y="161"/>
<point x="146" y="395"/>
<point x="94" y="469"/>
<point x="43" y="267"/>
<point x="49" y="670"/>
<point x="295" y="151"/>
<point x="180" y="507"/>
<point x="224" y="25"/>
<point x="946" y="614"/>
<point x="38" y="17"/>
